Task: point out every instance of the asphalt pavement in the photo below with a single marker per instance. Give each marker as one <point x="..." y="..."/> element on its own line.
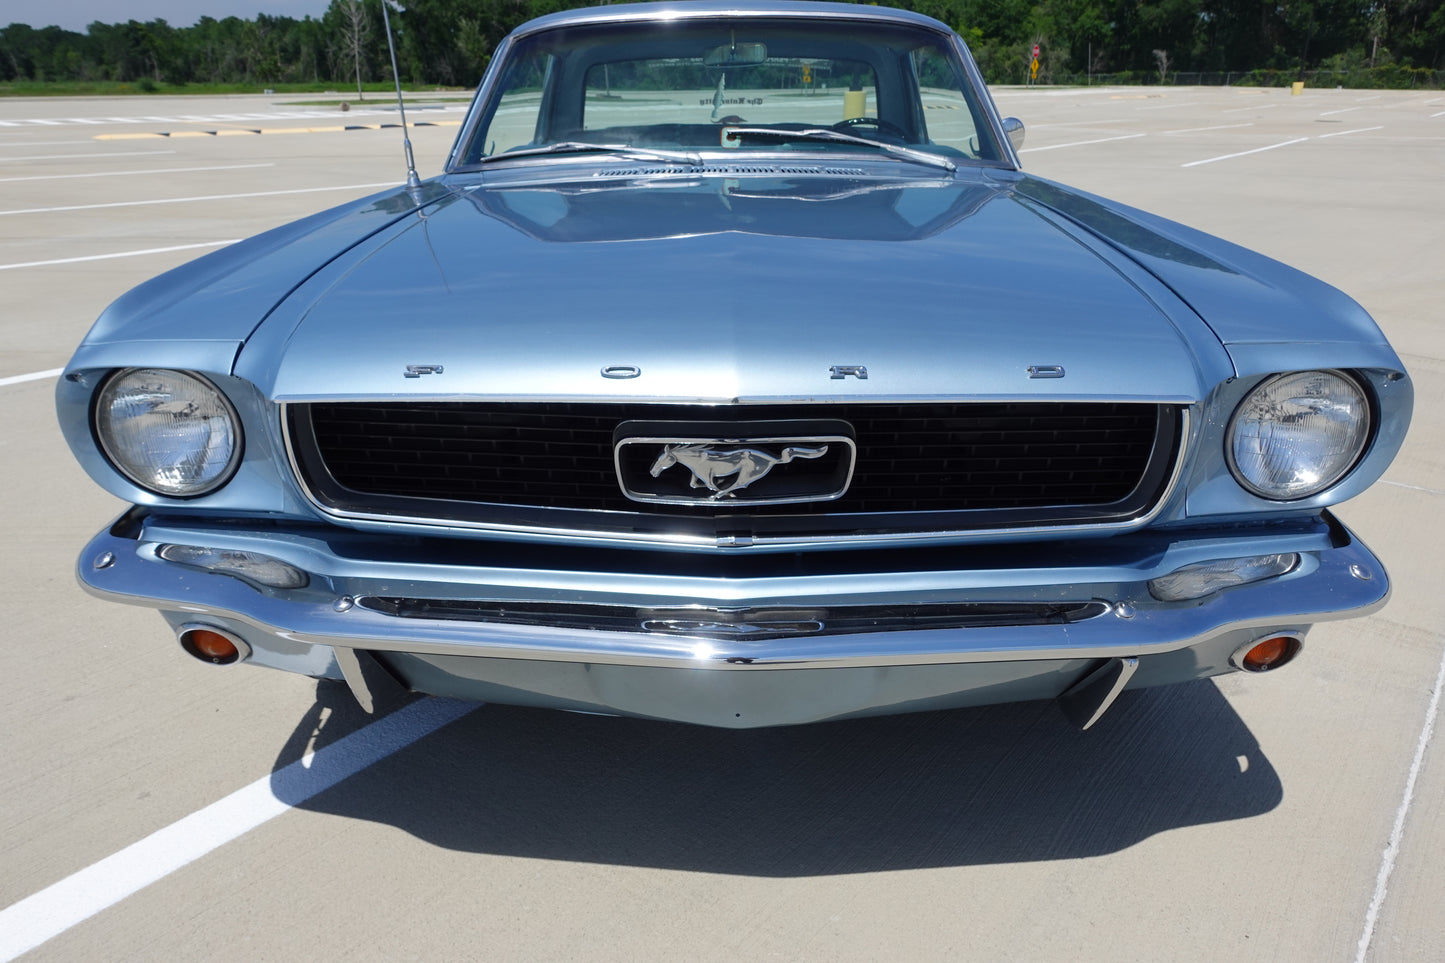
<point x="155" y="808"/>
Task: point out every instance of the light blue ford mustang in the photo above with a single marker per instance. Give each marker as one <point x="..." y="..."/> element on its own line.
<point x="701" y="387"/>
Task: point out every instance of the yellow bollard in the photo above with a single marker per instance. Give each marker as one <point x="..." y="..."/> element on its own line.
<point x="855" y="103"/>
<point x="1296" y="88"/>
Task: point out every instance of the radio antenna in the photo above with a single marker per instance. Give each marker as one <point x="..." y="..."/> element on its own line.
<point x="412" y="181"/>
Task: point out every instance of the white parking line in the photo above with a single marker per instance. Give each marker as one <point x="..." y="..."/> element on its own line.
<point x="1081" y="143"/>
<point x="78" y="897"/>
<point x="1084" y="123"/>
<point x="105" y="257"/>
<point x="1413" y="488"/>
<point x="1441" y="114"/>
<point x="168" y="170"/>
<point x="379" y="110"/>
<point x="205" y="197"/>
<point x="1397" y="832"/>
<point x="32" y="376"/>
<point x="1342" y="110"/>
<point x="1357" y="130"/>
<point x="1244" y="153"/>
<point x="1194" y="130"/>
<point x="1187" y="103"/>
<point x="114" y="153"/>
<point x="1235" y="110"/>
<point x="7" y="141"/>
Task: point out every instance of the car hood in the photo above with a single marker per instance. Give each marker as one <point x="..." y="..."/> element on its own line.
<point x="718" y="290"/>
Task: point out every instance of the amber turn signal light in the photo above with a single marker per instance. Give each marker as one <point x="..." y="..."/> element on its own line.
<point x="1266" y="654"/>
<point x="210" y="646"/>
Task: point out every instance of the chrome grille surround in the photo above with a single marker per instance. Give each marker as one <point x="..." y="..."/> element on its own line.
<point x="757" y="527"/>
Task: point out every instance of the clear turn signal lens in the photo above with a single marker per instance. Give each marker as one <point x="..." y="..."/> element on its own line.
<point x="247" y="566"/>
<point x="1206" y="578"/>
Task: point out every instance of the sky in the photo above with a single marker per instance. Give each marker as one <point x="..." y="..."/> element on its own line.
<point x="76" y="14"/>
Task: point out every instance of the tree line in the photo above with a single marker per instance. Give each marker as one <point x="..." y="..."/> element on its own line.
<point x="448" y="42"/>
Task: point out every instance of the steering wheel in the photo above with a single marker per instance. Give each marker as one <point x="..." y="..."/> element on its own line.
<point x="882" y="126"/>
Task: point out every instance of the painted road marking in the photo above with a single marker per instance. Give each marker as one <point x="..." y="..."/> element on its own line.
<point x="1413" y="488"/>
<point x="1195" y="130"/>
<point x="113" y="153"/>
<point x="33" y="376"/>
<point x="1357" y="130"/>
<point x="1235" y="110"/>
<point x="27" y="142"/>
<point x="222" y="118"/>
<point x="1342" y="110"/>
<point x="204" y="197"/>
<point x="1085" y="123"/>
<point x="1245" y="153"/>
<point x="236" y="131"/>
<point x="78" y="897"/>
<point x="1081" y="143"/>
<point x="104" y="257"/>
<point x="1397" y="833"/>
<point x="169" y="170"/>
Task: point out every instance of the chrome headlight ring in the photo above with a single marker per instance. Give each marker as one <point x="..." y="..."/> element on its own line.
<point x="172" y="433"/>
<point x="1299" y="433"/>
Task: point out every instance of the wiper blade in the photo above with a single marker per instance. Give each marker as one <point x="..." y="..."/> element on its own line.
<point x="582" y="147"/>
<point x="829" y="135"/>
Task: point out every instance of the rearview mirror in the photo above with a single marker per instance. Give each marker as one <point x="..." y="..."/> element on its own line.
<point x="736" y="55"/>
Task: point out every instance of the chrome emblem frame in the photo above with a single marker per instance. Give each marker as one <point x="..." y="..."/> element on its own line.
<point x="721" y="468"/>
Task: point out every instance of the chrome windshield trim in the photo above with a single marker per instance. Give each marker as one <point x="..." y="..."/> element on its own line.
<point x="380" y="522"/>
<point x="702" y="10"/>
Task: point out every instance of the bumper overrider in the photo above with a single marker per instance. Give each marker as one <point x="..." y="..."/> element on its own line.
<point x="734" y="642"/>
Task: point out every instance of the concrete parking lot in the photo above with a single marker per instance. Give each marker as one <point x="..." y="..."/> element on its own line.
<point x="155" y="808"/>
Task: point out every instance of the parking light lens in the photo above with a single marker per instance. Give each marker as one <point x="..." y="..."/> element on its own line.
<point x="1206" y="578"/>
<point x="1297" y="434"/>
<point x="169" y="432"/>
<point x="247" y="566"/>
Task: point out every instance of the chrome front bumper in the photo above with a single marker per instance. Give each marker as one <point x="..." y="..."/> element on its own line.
<point x="716" y="678"/>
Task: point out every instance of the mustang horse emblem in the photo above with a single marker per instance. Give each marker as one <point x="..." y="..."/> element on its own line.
<point x="709" y="465"/>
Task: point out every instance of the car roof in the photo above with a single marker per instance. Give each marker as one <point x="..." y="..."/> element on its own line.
<point x="703" y="9"/>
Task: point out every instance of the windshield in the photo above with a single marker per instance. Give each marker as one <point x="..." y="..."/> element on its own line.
<point x="704" y="84"/>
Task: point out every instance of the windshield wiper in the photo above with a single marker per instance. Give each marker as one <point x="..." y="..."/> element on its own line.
<point x="829" y="135"/>
<point x="582" y="147"/>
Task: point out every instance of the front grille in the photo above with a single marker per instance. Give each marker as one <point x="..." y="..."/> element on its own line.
<point x="919" y="467"/>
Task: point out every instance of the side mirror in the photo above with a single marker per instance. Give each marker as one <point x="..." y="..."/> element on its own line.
<point x="1013" y="128"/>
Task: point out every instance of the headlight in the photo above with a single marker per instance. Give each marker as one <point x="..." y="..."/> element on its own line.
<point x="169" y="432"/>
<point x="1297" y="434"/>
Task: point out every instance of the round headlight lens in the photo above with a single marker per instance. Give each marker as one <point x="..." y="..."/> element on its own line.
<point x="169" y="432"/>
<point x="1297" y="434"/>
